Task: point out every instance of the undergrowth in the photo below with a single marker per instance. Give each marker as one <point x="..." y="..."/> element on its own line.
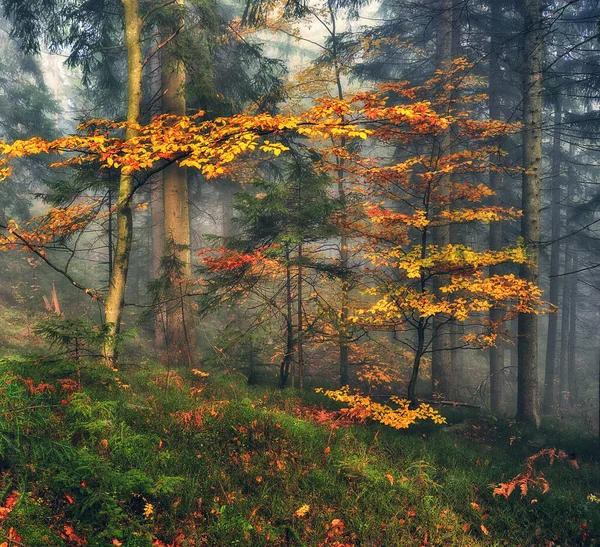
<point x="144" y="456"/>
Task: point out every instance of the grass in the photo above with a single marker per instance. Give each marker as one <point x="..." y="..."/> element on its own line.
<point x="180" y="460"/>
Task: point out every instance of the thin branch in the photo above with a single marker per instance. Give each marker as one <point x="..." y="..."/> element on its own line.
<point x="162" y="45"/>
<point x="157" y="8"/>
<point x="92" y="293"/>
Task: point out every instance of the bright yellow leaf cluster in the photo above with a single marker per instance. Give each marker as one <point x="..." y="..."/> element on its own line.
<point x="399" y="417"/>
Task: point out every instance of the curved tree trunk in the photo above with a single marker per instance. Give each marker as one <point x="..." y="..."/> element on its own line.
<point x="113" y="308"/>
<point x="527" y="378"/>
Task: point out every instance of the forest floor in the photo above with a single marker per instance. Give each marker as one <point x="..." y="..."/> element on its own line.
<point x="143" y="456"/>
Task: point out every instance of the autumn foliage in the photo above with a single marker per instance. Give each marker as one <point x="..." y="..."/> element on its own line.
<point x="532" y="477"/>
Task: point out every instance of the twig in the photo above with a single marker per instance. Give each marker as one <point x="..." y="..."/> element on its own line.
<point x="40" y="254"/>
<point x="162" y="45"/>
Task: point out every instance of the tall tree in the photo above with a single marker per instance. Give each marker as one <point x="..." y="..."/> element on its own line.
<point x="180" y="332"/>
<point x="494" y="87"/>
<point x="527" y="377"/>
<point x="157" y="204"/>
<point x="549" y="381"/>
<point x="441" y="358"/>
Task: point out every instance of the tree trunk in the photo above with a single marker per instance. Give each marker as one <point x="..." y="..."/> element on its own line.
<point x="527" y="379"/>
<point x="565" y="308"/>
<point x="345" y="285"/>
<point x="572" y="362"/>
<point x="456" y="234"/>
<point x="157" y="206"/>
<point x="412" y="397"/>
<point x="284" y="370"/>
<point x="549" y="381"/>
<point x="113" y="308"/>
<point x="181" y="336"/>
<point x="441" y="359"/>
<point x="226" y="193"/>
<point x="495" y="80"/>
<point x="300" y="348"/>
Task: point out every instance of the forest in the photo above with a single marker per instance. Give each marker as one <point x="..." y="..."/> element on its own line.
<point x="299" y="273"/>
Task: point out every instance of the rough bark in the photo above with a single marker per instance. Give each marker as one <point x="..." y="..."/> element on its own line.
<point x="113" y="308"/>
<point x="549" y="380"/>
<point x="181" y="335"/>
<point x="527" y="378"/>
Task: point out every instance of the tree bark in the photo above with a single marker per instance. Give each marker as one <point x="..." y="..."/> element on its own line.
<point x="572" y="354"/>
<point x="113" y="308"/>
<point x="495" y="81"/>
<point x="441" y="359"/>
<point x="527" y="379"/>
<point x="300" y="321"/>
<point x="284" y="369"/>
<point x="549" y="380"/>
<point x="226" y="194"/>
<point x="157" y="206"/>
<point x="181" y="335"/>
<point x="345" y="285"/>
<point x="456" y="234"/>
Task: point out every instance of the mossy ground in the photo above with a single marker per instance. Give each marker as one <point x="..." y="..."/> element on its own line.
<point x="181" y="460"/>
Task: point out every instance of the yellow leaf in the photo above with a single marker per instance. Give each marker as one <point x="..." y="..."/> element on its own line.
<point x="302" y="511"/>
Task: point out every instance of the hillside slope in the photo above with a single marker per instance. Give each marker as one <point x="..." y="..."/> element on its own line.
<point x="143" y="456"/>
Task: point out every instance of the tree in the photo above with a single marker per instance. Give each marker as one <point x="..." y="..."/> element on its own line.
<point x="282" y="223"/>
<point x="494" y="85"/>
<point x="441" y="358"/>
<point x="407" y="301"/>
<point x="528" y="391"/>
<point x="549" y="379"/>
<point x="180" y="331"/>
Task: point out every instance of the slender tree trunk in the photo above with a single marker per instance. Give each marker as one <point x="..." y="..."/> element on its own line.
<point x="441" y="359"/>
<point x="157" y="206"/>
<point x="456" y="234"/>
<point x="421" y="326"/>
<point x="226" y="193"/>
<point x="300" y="349"/>
<point x="565" y="308"/>
<point x="345" y="285"/>
<point x="527" y="380"/>
<point x="113" y="308"/>
<point x="284" y="370"/>
<point x="572" y="354"/>
<point x="110" y="231"/>
<point x="181" y="335"/>
<point x="495" y="80"/>
<point x="549" y="381"/>
<point x="412" y="397"/>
